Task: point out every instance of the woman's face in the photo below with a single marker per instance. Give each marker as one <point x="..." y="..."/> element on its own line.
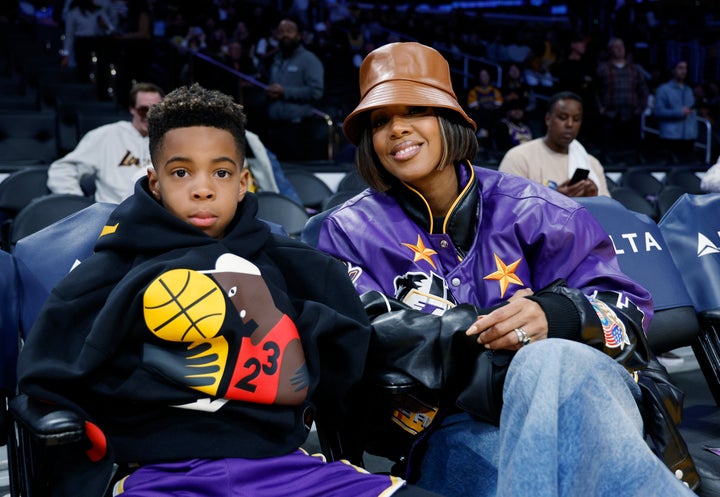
<point x="407" y="141"/>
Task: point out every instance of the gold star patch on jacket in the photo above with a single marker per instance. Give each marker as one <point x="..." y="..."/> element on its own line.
<point x="505" y="274"/>
<point x="421" y="251"/>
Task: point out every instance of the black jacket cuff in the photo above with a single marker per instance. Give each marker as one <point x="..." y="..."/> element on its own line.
<point x="562" y="315"/>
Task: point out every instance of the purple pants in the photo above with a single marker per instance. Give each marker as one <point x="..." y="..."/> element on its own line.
<point x="297" y="474"/>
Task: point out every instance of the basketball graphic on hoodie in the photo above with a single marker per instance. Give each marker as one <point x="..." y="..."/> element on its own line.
<point x="247" y="351"/>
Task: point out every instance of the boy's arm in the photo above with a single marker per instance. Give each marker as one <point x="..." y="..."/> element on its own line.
<point x="58" y="356"/>
<point x="330" y="318"/>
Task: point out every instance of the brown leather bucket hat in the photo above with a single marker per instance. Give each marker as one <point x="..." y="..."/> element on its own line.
<point x="405" y="73"/>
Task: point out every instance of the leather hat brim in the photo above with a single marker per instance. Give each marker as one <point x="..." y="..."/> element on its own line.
<point x="399" y="92"/>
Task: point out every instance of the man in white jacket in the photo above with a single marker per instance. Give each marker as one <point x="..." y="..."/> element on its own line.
<point x="116" y="154"/>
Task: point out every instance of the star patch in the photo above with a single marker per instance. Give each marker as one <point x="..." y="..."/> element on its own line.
<point x="505" y="274"/>
<point x="421" y="251"/>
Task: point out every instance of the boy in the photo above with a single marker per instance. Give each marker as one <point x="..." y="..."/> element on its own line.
<point x="200" y="344"/>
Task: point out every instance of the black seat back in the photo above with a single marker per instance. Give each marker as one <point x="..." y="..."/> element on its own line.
<point x="21" y="187"/>
<point x="313" y="191"/>
<point x="43" y="212"/>
<point x="279" y="209"/>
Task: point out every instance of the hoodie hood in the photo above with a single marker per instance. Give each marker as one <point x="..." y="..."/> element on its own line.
<point x="142" y="226"/>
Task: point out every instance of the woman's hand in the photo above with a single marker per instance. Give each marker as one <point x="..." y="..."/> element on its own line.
<point x="497" y="329"/>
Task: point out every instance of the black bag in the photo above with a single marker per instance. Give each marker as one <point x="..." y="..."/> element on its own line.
<point x="417" y="365"/>
<point x="398" y="416"/>
<point x="483" y="398"/>
<point x="662" y="404"/>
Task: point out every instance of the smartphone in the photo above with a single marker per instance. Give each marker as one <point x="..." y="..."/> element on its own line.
<point x="579" y="175"/>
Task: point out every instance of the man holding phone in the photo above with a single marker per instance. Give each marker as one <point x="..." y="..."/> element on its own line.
<point x="557" y="159"/>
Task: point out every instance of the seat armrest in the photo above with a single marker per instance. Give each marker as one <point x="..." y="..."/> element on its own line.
<point x="710" y="314"/>
<point x="673" y="328"/>
<point x="707" y="349"/>
<point x="394" y="383"/>
<point x="48" y="423"/>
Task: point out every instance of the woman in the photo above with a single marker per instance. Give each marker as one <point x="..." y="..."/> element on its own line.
<point x="85" y="23"/>
<point x="525" y="273"/>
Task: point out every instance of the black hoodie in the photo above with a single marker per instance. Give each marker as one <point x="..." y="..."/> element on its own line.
<point x="179" y="345"/>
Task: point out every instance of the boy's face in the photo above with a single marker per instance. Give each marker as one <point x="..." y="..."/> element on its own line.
<point x="198" y="177"/>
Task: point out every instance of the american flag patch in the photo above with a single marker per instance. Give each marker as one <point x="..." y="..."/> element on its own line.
<point x="613" y="328"/>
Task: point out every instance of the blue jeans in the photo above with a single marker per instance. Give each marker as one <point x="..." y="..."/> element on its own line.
<point x="569" y="427"/>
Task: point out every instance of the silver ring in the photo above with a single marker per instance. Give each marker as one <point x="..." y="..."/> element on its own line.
<point x="522" y="336"/>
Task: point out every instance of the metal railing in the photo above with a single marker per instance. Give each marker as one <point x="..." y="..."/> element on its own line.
<point x="646" y="127"/>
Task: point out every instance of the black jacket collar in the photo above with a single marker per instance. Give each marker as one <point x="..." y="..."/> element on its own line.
<point x="460" y="223"/>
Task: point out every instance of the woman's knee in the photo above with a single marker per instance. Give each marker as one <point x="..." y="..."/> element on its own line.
<point x="565" y="365"/>
<point x="564" y="354"/>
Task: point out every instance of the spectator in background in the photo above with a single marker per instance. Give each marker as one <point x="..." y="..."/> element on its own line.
<point x="242" y="33"/>
<point x="511" y="130"/>
<point x="266" y="47"/>
<point x="622" y="97"/>
<point x="116" y="154"/>
<point x="85" y="22"/>
<point x="575" y="72"/>
<point x="519" y="48"/>
<point x="538" y="63"/>
<point x="703" y="103"/>
<point x="237" y="56"/>
<point x="553" y="158"/>
<point x="266" y="172"/>
<point x="109" y="7"/>
<point x="299" y="9"/>
<point x="515" y="86"/>
<point x="296" y="85"/>
<point x="497" y="48"/>
<point x="216" y="41"/>
<point x="194" y="41"/>
<point x="484" y="101"/>
<point x="675" y="110"/>
<point x="134" y="47"/>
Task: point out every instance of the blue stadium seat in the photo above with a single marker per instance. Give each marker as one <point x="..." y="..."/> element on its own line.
<point x="9" y="313"/>
<point x="647" y="253"/>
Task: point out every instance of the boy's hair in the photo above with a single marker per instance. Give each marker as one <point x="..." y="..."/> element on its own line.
<point x="194" y="105"/>
<point x="144" y="87"/>
<point x="459" y="143"/>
